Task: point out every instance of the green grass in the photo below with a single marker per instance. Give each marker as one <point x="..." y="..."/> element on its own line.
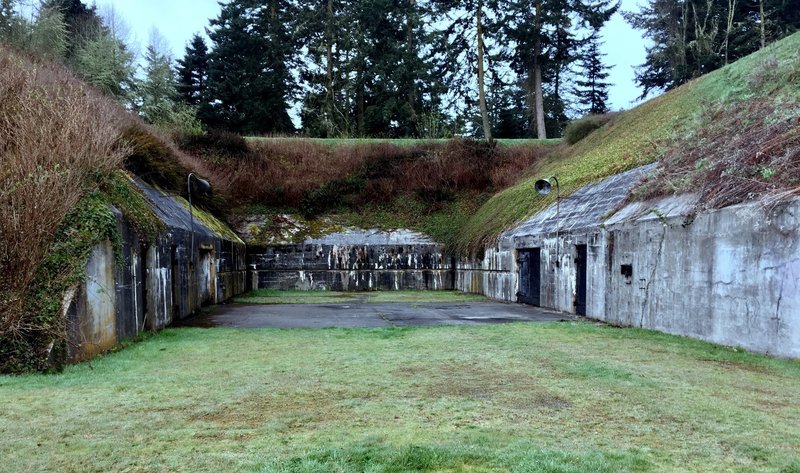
<point x="566" y="397"/>
<point x="272" y="296"/>
<point x="639" y="136"/>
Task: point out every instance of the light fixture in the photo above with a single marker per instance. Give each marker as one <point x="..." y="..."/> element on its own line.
<point x="544" y="187"/>
<point x="203" y="187"/>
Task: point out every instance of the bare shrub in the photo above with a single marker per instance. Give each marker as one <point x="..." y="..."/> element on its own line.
<point x="738" y="154"/>
<point x="581" y="128"/>
<point x="315" y="176"/>
<point x="56" y="135"/>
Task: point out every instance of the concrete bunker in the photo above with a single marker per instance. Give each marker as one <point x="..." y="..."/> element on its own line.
<point x="731" y="276"/>
<point x="155" y="283"/>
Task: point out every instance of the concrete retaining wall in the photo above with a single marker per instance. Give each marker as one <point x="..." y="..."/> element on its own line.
<point x="353" y="261"/>
<point x="729" y="276"/>
<point x="156" y="282"/>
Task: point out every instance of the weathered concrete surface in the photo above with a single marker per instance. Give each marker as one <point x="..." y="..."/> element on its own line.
<point x="154" y="283"/>
<point x="354" y="280"/>
<point x="94" y="327"/>
<point x="353" y="260"/>
<point x="179" y="282"/>
<point x="580" y="213"/>
<point x="353" y="315"/>
<point x="729" y="276"/>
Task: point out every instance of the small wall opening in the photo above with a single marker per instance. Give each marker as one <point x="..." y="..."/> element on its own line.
<point x="627" y="272"/>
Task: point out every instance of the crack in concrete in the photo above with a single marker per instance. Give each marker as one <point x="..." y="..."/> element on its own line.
<point x="778" y="309"/>
<point x="782" y="265"/>
<point x="386" y="319"/>
<point x="652" y="275"/>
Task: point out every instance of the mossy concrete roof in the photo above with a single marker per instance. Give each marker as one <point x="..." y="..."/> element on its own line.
<point x="173" y="210"/>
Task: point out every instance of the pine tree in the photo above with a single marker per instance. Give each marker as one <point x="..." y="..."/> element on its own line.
<point x="48" y="35"/>
<point x="158" y="90"/>
<point x="326" y="35"/>
<point x="543" y="43"/>
<point x="82" y="23"/>
<point x="465" y="52"/>
<point x="592" y="89"/>
<point x="249" y="80"/>
<point x="107" y="64"/>
<point x="693" y="37"/>
<point x="193" y="72"/>
<point x="13" y="28"/>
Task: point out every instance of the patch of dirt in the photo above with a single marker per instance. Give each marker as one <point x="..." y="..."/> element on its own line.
<point x="729" y="365"/>
<point x="298" y="411"/>
<point x="479" y="382"/>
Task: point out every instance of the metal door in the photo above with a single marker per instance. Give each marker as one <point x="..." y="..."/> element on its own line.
<point x="530" y="274"/>
<point x="580" y="280"/>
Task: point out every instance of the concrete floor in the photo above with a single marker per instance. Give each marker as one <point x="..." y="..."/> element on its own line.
<point x="369" y="315"/>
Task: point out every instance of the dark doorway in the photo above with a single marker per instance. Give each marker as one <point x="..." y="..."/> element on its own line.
<point x="580" y="280"/>
<point x="176" y="284"/>
<point x="530" y="276"/>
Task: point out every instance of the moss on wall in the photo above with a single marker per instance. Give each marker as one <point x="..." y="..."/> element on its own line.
<point x="211" y="222"/>
<point x="42" y="344"/>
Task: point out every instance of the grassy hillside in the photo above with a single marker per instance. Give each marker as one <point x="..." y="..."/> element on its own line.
<point x="761" y="90"/>
<point x="730" y="135"/>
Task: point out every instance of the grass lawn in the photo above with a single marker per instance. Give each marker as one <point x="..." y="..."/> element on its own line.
<point x="566" y="397"/>
<point x="272" y="296"/>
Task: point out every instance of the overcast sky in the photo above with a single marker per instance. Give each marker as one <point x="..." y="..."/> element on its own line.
<point x="178" y="20"/>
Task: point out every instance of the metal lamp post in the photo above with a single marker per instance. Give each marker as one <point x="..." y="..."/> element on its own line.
<point x="544" y="187"/>
<point x="203" y="187"/>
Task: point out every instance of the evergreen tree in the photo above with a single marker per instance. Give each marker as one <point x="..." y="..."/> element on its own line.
<point x="48" y="35"/>
<point x="392" y="82"/>
<point x="693" y="37"/>
<point x="464" y="51"/>
<point x="326" y="34"/>
<point x="106" y="63"/>
<point x="11" y="25"/>
<point x="158" y="90"/>
<point x="249" y="78"/>
<point x="193" y="72"/>
<point x="509" y="111"/>
<point x="543" y="43"/>
<point x="592" y="89"/>
<point x="82" y="23"/>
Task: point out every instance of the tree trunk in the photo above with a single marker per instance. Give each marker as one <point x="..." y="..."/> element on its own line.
<point x="329" y="92"/>
<point x="541" y="132"/>
<point x="412" y="91"/>
<point x="763" y="22"/>
<point x="487" y="128"/>
<point x="729" y="26"/>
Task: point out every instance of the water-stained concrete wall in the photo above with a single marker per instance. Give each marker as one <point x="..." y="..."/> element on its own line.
<point x="147" y="285"/>
<point x="352" y="261"/>
<point x="730" y="276"/>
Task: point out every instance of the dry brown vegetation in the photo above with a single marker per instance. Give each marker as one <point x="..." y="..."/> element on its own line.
<point x="56" y="135"/>
<point x="314" y="177"/>
<point x="62" y="145"/>
<point x="761" y="158"/>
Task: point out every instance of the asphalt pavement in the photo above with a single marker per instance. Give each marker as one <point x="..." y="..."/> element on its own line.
<point x="352" y="315"/>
